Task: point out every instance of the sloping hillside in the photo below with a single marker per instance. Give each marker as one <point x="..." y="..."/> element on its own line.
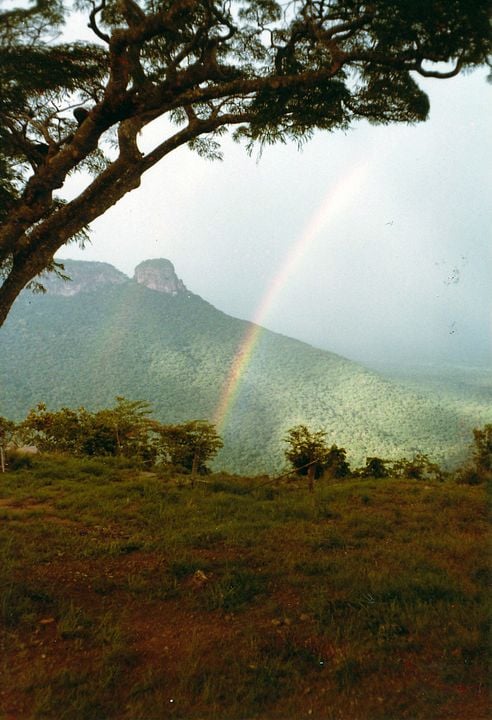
<point x="175" y="350"/>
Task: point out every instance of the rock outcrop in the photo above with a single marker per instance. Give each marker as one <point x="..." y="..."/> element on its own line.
<point x="84" y="277"/>
<point x="159" y="275"/>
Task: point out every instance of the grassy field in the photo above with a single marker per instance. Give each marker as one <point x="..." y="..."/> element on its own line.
<point x="132" y="596"/>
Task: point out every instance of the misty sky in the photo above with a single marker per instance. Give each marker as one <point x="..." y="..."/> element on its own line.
<point x="397" y="268"/>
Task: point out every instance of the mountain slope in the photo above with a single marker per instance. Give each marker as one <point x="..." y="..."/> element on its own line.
<point x="172" y="348"/>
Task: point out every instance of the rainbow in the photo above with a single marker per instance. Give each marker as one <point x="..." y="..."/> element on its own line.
<point x="333" y="201"/>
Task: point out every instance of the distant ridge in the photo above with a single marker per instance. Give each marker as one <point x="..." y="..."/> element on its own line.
<point x="157" y="274"/>
<point x="83" y="277"/>
<point x="149" y="337"/>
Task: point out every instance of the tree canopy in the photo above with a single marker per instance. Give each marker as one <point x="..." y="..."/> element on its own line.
<point x="189" y="445"/>
<point x="309" y="454"/>
<point x="124" y="430"/>
<point x="273" y="71"/>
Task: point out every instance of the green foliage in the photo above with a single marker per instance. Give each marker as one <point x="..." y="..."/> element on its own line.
<point x="479" y="468"/>
<point x="7" y="430"/>
<point x="309" y="455"/>
<point x="275" y="75"/>
<point x="123" y="431"/>
<point x="46" y="74"/>
<point x="51" y="431"/>
<point x="418" y="468"/>
<point x="482" y="450"/>
<point x="190" y="445"/>
<point x="307" y="449"/>
<point x="130" y="427"/>
<point x="374" y="468"/>
<point x="176" y="352"/>
<point x="336" y="465"/>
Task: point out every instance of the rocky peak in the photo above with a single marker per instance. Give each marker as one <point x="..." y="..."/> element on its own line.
<point x="84" y="277"/>
<point x="159" y="274"/>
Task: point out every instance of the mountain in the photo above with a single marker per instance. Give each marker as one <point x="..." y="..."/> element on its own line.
<point x="103" y="334"/>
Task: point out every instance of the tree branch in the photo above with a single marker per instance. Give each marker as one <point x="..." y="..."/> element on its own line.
<point x="92" y="24"/>
<point x="105" y="191"/>
<point x="436" y="74"/>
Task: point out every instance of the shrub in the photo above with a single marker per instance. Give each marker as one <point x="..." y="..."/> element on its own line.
<point x="309" y="455"/>
<point x="374" y="468"/>
<point x="18" y="460"/>
<point x="470" y="475"/>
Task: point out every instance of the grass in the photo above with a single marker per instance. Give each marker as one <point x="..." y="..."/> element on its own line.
<point x="131" y="596"/>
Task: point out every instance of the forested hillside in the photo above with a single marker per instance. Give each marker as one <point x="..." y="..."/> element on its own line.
<point x="460" y="383"/>
<point x="175" y="350"/>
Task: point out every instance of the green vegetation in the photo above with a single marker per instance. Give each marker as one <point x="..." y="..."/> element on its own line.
<point x="202" y="66"/>
<point x="479" y="467"/>
<point x="176" y="352"/>
<point x="190" y="445"/>
<point x="124" y="431"/>
<point x="309" y="455"/>
<point x="129" y="595"/>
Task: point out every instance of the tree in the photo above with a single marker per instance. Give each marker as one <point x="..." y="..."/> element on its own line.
<point x="375" y="467"/>
<point x="122" y="430"/>
<point x="418" y="468"/>
<point x="273" y="70"/>
<point x="7" y="431"/>
<point x="99" y="437"/>
<point x="336" y="465"/>
<point x="57" y="431"/>
<point x="307" y="452"/>
<point x="190" y="445"/>
<point x="482" y="448"/>
<point x="479" y="467"/>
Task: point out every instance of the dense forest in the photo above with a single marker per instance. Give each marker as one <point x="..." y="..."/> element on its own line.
<point x="175" y="351"/>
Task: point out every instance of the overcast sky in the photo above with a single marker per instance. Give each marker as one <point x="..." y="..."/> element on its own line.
<point x="375" y="243"/>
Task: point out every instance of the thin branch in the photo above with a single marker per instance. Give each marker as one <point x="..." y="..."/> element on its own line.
<point x="435" y="73"/>
<point x="223" y="20"/>
<point x="92" y="24"/>
<point x="40" y="127"/>
<point x="345" y="30"/>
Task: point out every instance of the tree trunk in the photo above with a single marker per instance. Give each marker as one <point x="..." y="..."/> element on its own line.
<point x="311" y="474"/>
<point x="194" y="469"/>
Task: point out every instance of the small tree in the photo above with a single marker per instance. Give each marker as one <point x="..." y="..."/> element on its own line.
<point x="190" y="445"/>
<point x="53" y="431"/>
<point x="374" y="468"/>
<point x="479" y="468"/>
<point x="129" y="423"/>
<point x="122" y="430"/>
<point x="98" y="433"/>
<point x="418" y="468"/>
<point x="336" y="465"/>
<point x="482" y="448"/>
<point x="7" y="430"/>
<point x="307" y="452"/>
